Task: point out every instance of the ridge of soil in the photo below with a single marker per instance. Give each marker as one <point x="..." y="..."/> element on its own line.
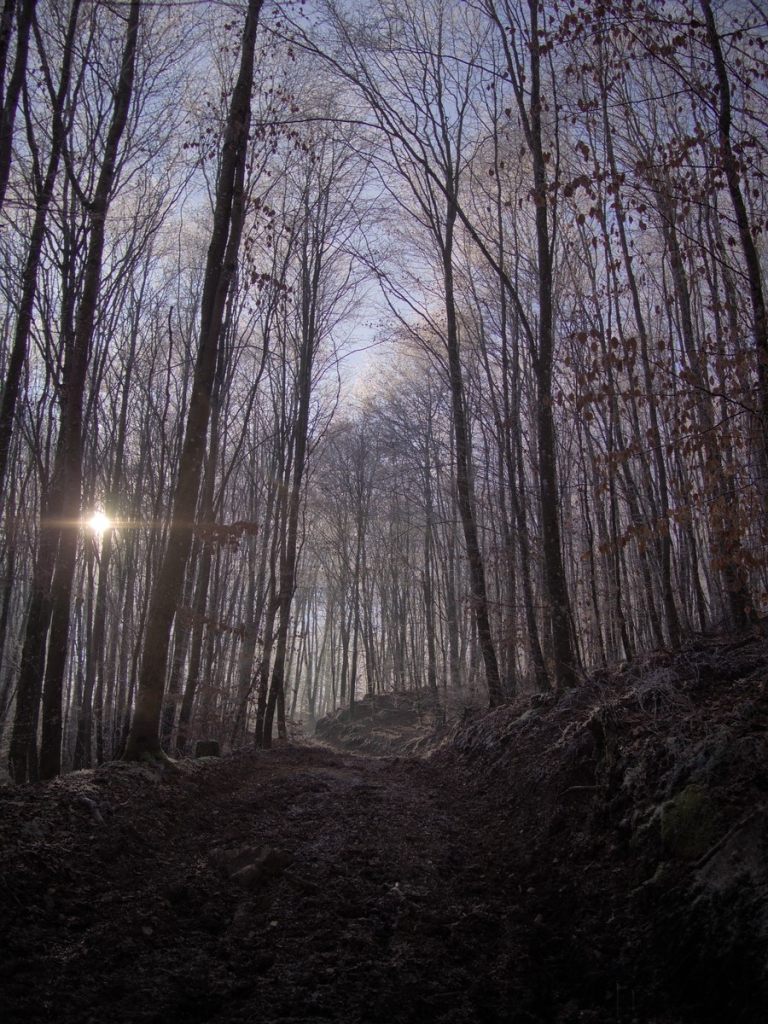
<point x="602" y="858"/>
<point x="400" y="722"/>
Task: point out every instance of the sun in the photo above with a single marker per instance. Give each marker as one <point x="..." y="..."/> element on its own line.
<point x="99" y="523"/>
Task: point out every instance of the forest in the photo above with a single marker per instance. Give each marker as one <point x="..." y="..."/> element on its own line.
<point x="355" y="349"/>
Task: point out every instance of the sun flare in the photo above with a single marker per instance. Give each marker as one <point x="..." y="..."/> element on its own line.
<point x="99" y="523"/>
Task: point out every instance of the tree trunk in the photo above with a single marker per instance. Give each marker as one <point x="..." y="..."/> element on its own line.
<point x="11" y="98"/>
<point x="221" y="265"/>
<point x="312" y="262"/>
<point x="12" y="383"/>
<point x="23" y="762"/>
<point x="71" y="426"/>
<point x="463" y="470"/>
<point x="749" y="248"/>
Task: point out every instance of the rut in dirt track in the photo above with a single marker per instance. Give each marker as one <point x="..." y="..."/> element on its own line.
<point x="387" y="896"/>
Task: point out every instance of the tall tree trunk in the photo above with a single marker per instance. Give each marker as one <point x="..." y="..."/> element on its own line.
<point x="264" y="669"/>
<point x="200" y="601"/>
<point x="71" y="426"/>
<point x="221" y="265"/>
<point x="427" y="573"/>
<point x="95" y="668"/>
<point x="723" y="513"/>
<point x="663" y="541"/>
<point x="526" y="85"/>
<point x="196" y="649"/>
<point x="14" y="370"/>
<point x="23" y="754"/>
<point x="182" y="634"/>
<point x="11" y="99"/>
<point x="464" y="487"/>
<point x="748" y="245"/>
<point x="7" y="18"/>
<point x="312" y="262"/>
<point x="563" y="643"/>
<point x="248" y="679"/>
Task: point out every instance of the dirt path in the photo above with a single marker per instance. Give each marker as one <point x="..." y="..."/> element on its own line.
<point x="596" y="860"/>
<point x="372" y="895"/>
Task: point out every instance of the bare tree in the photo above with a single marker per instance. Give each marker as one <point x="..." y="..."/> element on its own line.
<point x="228" y="221"/>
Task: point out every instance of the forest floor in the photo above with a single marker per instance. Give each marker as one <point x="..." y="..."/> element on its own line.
<point x="599" y="859"/>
